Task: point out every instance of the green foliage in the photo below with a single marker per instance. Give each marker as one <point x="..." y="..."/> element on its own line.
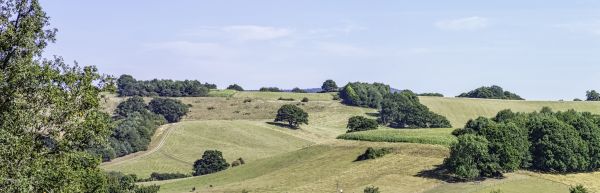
<point x="212" y="161"/>
<point x="166" y="176"/>
<point x="371" y="153"/>
<point x="269" y="89"/>
<point x="364" y="94"/>
<point x="360" y="123"/>
<point x="433" y="94"/>
<point x="298" y="90"/>
<point x="329" y="86"/>
<point x="371" y="189"/>
<point x="578" y="189"/>
<point x="577" y="99"/>
<point x="129" y="86"/>
<point x="49" y="111"/>
<point x="305" y="100"/>
<point x="131" y="105"/>
<point x="121" y="183"/>
<point x="469" y="158"/>
<point x="403" y="110"/>
<point x="492" y="92"/>
<point x="235" y="87"/>
<point x="171" y="109"/>
<point x="291" y="114"/>
<point x="285" y="99"/>
<point x="132" y="134"/>
<point x="592" y="95"/>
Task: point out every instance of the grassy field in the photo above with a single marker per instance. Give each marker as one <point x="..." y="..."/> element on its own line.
<point x="311" y="159"/>
<point x="426" y="136"/>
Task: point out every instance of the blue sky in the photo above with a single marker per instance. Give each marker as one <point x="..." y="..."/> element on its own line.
<point x="538" y="49"/>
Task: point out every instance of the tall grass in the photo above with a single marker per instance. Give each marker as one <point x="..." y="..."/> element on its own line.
<point x="426" y="136"/>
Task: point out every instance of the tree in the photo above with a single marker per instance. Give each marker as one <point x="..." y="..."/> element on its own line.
<point x="291" y="114"/>
<point x="364" y="94"/>
<point x="329" y="86"/>
<point x="131" y="105"/>
<point x="592" y="95"/>
<point x="371" y="189"/>
<point x="298" y="90"/>
<point x="235" y="87"/>
<point x="49" y="111"/>
<point x="128" y="86"/>
<point x="212" y="161"/>
<point x="360" y="123"/>
<point x="403" y="110"/>
<point x="492" y="92"/>
<point x="469" y="158"/>
<point x="171" y="109"/>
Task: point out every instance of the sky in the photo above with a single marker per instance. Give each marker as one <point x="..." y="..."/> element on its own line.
<point x="539" y="49"/>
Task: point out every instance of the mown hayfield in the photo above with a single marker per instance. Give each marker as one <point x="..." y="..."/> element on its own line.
<point x="320" y="168"/>
<point x="277" y="95"/>
<point x="513" y="183"/>
<point x="437" y="136"/>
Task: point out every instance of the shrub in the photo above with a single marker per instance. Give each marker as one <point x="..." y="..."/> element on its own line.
<point x="433" y="94"/>
<point x="360" y="123"/>
<point x="578" y="189"/>
<point x="212" y="161"/>
<point x="329" y="86"/>
<point x="235" y="87"/>
<point x="247" y="100"/>
<point x="171" y="109"/>
<point x="242" y="162"/>
<point x="336" y="97"/>
<point x="235" y="163"/>
<point x="371" y="189"/>
<point x="292" y="114"/>
<point x="371" y="153"/>
<point x="210" y="108"/>
<point x="167" y="176"/>
<point x="305" y="100"/>
<point x="269" y="89"/>
<point x="492" y="92"/>
<point x="131" y="105"/>
<point x="285" y="99"/>
<point x="298" y="90"/>
<point x="469" y="158"/>
<point x="577" y="99"/>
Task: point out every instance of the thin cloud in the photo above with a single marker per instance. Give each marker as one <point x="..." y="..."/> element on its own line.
<point x="463" y="24"/>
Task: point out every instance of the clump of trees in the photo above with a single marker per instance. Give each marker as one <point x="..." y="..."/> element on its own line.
<point x="492" y="92"/>
<point x="329" y="86"/>
<point x="269" y="89"/>
<point x="592" y="95"/>
<point x="371" y="189"/>
<point x="118" y="182"/>
<point x="372" y="153"/>
<point x="298" y="90"/>
<point x="166" y="176"/>
<point x="360" y="123"/>
<point x="129" y="86"/>
<point x="403" y="110"/>
<point x="364" y="94"/>
<point x="173" y="110"/>
<point x="238" y="162"/>
<point x="235" y="87"/>
<point x="433" y="94"/>
<point x="543" y="141"/>
<point x="291" y="114"/>
<point x="212" y="161"/>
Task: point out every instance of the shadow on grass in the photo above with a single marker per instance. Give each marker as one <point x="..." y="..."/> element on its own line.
<point x="441" y="173"/>
<point x="282" y="125"/>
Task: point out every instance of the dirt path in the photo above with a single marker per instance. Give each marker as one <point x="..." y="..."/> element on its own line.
<point x="158" y="140"/>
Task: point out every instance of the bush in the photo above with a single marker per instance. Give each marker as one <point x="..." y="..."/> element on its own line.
<point x="371" y="189"/>
<point x="298" y="90"/>
<point x="578" y="189"/>
<point x="433" y="94"/>
<point x="371" y="153"/>
<point x="329" y="86"/>
<point x="171" y="109"/>
<point x="235" y="87"/>
<point x="131" y="105"/>
<point x="248" y="100"/>
<point x="360" y="123"/>
<point x="212" y="161"/>
<point x="269" y="89"/>
<point x="285" y="99"/>
<point x="305" y="100"/>
<point x="492" y="92"/>
<point x="577" y="99"/>
<point x="235" y="163"/>
<point x="167" y="176"/>
<point x="128" y="86"/>
<point x="404" y="110"/>
<point x="118" y="182"/>
<point x="469" y="158"/>
<point x="291" y="114"/>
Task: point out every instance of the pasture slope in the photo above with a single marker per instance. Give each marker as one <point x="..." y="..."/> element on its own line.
<point x="311" y="159"/>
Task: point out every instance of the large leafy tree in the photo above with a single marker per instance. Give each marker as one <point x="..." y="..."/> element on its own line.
<point x="131" y="105"/>
<point x="592" y="95"/>
<point x="212" y="161"/>
<point x="403" y="109"/>
<point x="173" y="110"/>
<point x="329" y="86"/>
<point x="49" y="111"/>
<point x="292" y="114"/>
<point x="360" y="123"/>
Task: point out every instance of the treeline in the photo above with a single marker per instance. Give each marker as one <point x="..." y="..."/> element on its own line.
<point x="401" y="109"/>
<point x="128" y="86"/>
<point x="542" y="141"/>
<point x="492" y="92"/>
<point x="136" y="122"/>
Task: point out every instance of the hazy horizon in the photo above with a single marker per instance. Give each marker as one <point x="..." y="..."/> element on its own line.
<point x="541" y="50"/>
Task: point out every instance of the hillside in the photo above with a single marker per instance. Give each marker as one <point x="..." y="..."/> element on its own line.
<point x="310" y="159"/>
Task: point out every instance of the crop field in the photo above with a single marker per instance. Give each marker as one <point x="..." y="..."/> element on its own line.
<point x="311" y="159"/>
